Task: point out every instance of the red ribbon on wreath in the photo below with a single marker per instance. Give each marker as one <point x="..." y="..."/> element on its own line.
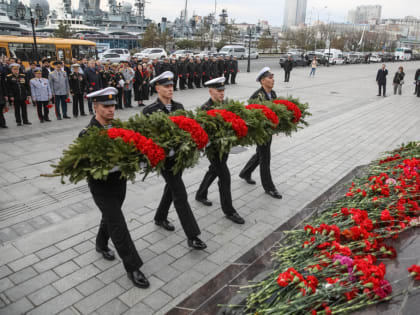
<point x="269" y="114"/>
<point x="198" y="134"/>
<point x="146" y="146"/>
<point x="292" y="107"/>
<point x="238" y="124"/>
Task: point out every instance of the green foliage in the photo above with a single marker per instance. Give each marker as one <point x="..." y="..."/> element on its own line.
<point x="63" y="31"/>
<point x="187" y="44"/>
<point x="150" y="36"/>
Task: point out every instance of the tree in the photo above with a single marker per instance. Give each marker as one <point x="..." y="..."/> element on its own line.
<point x="230" y="33"/>
<point x="164" y="38"/>
<point x="203" y="36"/>
<point x="186" y="44"/>
<point x="266" y="40"/>
<point x="63" y="31"/>
<point x="220" y="44"/>
<point x="150" y="36"/>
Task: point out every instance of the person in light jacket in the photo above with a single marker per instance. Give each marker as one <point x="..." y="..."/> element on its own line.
<point x="60" y="89"/>
<point x="398" y="80"/>
<point x="128" y="75"/>
<point x="41" y="94"/>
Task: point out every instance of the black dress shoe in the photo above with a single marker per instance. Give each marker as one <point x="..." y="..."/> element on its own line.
<point x="19" y="124"/>
<point x="139" y="279"/>
<point x="83" y="114"/>
<point x="66" y="117"/>
<point x="107" y="253"/>
<point x="166" y="225"/>
<point x="204" y="201"/>
<point x="3" y="126"/>
<point x="236" y="218"/>
<point x="27" y="123"/>
<point x="196" y="243"/>
<point x="274" y="194"/>
<point x="249" y="180"/>
<point x="47" y="119"/>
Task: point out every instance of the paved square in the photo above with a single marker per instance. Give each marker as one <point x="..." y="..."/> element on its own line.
<point x="48" y="262"/>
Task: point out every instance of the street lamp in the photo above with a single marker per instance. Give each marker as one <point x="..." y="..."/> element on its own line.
<point x="21" y="13"/>
<point x="250" y="31"/>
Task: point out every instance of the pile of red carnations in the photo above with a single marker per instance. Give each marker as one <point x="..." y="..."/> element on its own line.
<point x="146" y="146"/>
<point x="292" y="107"/>
<point x="336" y="264"/>
<point x="238" y="124"/>
<point x="198" y="134"/>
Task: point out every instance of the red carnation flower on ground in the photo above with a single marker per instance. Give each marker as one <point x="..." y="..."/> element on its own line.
<point x="269" y="114"/>
<point x="292" y="107"/>
<point x="191" y="126"/>
<point x="415" y="271"/>
<point x="238" y="124"/>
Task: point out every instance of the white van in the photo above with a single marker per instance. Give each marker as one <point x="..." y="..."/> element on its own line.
<point x="335" y="56"/>
<point x="233" y="51"/>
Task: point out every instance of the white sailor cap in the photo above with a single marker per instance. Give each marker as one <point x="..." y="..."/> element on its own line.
<point x="217" y="83"/>
<point x="105" y="96"/>
<point x="14" y="65"/>
<point x="265" y="72"/>
<point x="37" y="70"/>
<point x="163" y="79"/>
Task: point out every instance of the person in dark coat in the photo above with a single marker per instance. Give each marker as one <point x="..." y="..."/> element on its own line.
<point x="263" y="155"/>
<point x="182" y="68"/>
<point x="198" y="73"/>
<point x="205" y="68"/>
<point x="109" y="195"/>
<point x="17" y="87"/>
<point x="218" y="166"/>
<point x="228" y="67"/>
<point x="381" y="80"/>
<point x="175" y="71"/>
<point x="140" y="77"/>
<point x="288" y="67"/>
<point x="234" y="70"/>
<point x="214" y="72"/>
<point x="190" y="72"/>
<point x="174" y="190"/>
<point x="93" y="81"/>
<point x="417" y="81"/>
<point x="116" y="77"/>
<point x="46" y="69"/>
<point x="398" y="80"/>
<point x="77" y="83"/>
<point x="220" y="67"/>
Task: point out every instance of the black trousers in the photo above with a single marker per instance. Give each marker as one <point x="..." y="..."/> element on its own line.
<point x="227" y="74"/>
<point x="2" y="120"/>
<point x="204" y="79"/>
<point x="190" y="82"/>
<point x="286" y="76"/>
<point x="262" y="158"/>
<point x="120" y="98"/>
<point x="182" y="83"/>
<point x="233" y="78"/>
<point x="127" y="98"/>
<point x="109" y="196"/>
<point x="21" y="113"/>
<point x="218" y="168"/>
<point x="175" y="191"/>
<point x="175" y="83"/>
<point x="383" y="86"/>
<point x="78" y="105"/>
<point x="42" y="110"/>
<point x="197" y="81"/>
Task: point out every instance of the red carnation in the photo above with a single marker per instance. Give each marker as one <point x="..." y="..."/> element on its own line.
<point x="26" y="102"/>
<point x="238" y="124"/>
<point x="197" y="133"/>
<point x="50" y="106"/>
<point x="415" y="271"/>
<point x="269" y="114"/>
<point x="67" y="100"/>
<point x="93" y="84"/>
<point x="292" y="107"/>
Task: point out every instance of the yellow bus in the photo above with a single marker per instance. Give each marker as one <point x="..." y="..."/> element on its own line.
<point x="50" y="47"/>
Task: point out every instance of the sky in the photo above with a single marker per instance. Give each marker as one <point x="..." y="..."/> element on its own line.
<point x="251" y="11"/>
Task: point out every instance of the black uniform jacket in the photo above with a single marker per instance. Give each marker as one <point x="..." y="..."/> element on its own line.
<point x="261" y="94"/>
<point x="159" y="106"/>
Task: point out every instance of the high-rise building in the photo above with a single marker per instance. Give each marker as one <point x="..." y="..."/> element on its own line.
<point x="294" y="12"/>
<point x="365" y="14"/>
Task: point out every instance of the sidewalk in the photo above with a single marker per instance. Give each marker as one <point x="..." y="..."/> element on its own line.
<point x="49" y="265"/>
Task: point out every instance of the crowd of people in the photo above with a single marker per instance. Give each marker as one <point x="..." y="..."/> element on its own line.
<point x="51" y="84"/>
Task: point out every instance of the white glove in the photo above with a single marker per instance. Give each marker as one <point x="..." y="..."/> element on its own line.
<point x="171" y="153"/>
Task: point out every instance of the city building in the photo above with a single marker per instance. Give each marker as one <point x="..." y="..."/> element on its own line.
<point x="294" y="12"/>
<point x="365" y="14"/>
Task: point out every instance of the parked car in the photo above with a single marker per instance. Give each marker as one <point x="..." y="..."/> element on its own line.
<point x="183" y="53"/>
<point x="375" y="58"/>
<point x="233" y="50"/>
<point x="297" y="60"/>
<point x="320" y="57"/>
<point x="113" y="58"/>
<point x="152" y="53"/>
<point x="254" y="54"/>
<point x="123" y="53"/>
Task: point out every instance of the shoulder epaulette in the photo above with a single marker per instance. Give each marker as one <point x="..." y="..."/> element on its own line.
<point x="9" y="75"/>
